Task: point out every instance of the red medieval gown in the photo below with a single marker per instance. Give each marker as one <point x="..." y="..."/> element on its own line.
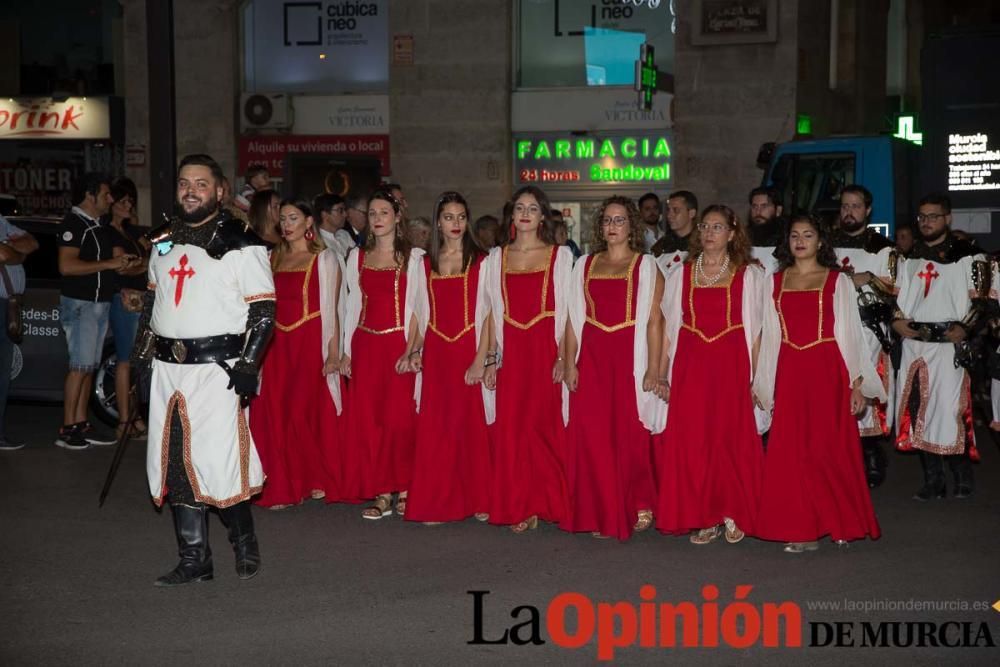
<point x="709" y="457"/>
<point x="529" y="436"/>
<point x="814" y="480"/>
<point x="452" y="457"/>
<point x="379" y="408"/>
<point x="608" y="469"/>
<point x="294" y="421"/>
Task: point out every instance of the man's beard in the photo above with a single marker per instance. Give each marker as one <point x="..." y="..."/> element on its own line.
<point x="851" y="225"/>
<point x="760" y="220"/>
<point x="936" y="235"/>
<point x="199" y="214"/>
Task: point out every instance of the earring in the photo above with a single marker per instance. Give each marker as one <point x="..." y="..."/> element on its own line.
<point x="310" y="234"/>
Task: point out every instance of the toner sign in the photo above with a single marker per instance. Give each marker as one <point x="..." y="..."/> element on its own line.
<point x="620" y="159"/>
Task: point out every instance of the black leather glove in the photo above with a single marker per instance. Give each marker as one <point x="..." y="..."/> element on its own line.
<point x="243" y="381"/>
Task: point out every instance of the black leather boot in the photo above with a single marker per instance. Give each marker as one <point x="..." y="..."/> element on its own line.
<point x="933" y="477"/>
<point x="239" y="520"/>
<point x="961" y="469"/>
<point x="191" y="526"/>
<point x="874" y="459"/>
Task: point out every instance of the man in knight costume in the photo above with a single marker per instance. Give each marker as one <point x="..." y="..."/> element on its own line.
<point x="946" y="295"/>
<point x="208" y="316"/>
<point x="870" y="259"/>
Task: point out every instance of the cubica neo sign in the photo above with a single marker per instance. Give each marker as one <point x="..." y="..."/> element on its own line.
<point x="639" y="158"/>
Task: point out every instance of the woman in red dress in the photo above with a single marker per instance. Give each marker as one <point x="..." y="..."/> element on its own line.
<point x="452" y="457"/>
<point x="300" y="454"/>
<point x="529" y="279"/>
<point x="709" y="457"/>
<point x="614" y="308"/>
<point x="382" y="319"/>
<point x="815" y="373"/>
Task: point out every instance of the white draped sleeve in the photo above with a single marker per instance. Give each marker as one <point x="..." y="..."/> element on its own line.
<point x="351" y="299"/>
<point x="494" y="294"/>
<point x="576" y="308"/>
<point x="562" y="280"/>
<point x="330" y="266"/>
<point x="770" y="345"/>
<point x="650" y="406"/>
<point x="482" y="313"/>
<point x="416" y="305"/>
<point x="754" y="277"/>
<point x="847" y="330"/>
<point x="673" y="315"/>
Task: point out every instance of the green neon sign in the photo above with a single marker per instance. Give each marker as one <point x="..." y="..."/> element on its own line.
<point x="630" y="172"/>
<point x="646" y="76"/>
<point x="803" y="124"/>
<point x="589" y="148"/>
<point x="906" y="129"/>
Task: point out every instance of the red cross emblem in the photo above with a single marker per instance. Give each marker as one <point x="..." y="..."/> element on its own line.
<point x="846" y="265"/>
<point x="677" y="258"/>
<point x="928" y="274"/>
<point x="181" y="273"/>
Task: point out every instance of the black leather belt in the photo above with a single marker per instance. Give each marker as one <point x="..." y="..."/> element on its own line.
<point x="932" y="332"/>
<point x="208" y="350"/>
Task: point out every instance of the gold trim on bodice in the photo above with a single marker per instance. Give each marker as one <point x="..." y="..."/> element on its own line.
<point x="542" y="314"/>
<point x="628" y="276"/>
<point x="781" y="316"/>
<point x="395" y="300"/>
<point x="693" y="327"/>
<point x="467" y="323"/>
<point x="306" y="315"/>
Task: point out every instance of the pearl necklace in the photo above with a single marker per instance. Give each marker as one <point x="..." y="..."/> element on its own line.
<point x="702" y="279"/>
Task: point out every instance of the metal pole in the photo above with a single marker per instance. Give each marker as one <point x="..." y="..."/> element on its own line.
<point x="162" y="117"/>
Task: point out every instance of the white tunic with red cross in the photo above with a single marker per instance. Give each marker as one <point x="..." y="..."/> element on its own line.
<point x="931" y="291"/>
<point x="197" y="297"/>
<point x="878" y="417"/>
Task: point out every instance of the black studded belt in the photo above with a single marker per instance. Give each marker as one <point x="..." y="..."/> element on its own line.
<point x="932" y="332"/>
<point x="208" y="350"/>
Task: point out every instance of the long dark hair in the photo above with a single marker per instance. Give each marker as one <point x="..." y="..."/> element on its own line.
<point x="636" y="240"/>
<point x="401" y="245"/>
<point x="316" y="245"/>
<point x="825" y="255"/>
<point x="471" y="249"/>
<point x="546" y="230"/>
<point x="257" y="215"/>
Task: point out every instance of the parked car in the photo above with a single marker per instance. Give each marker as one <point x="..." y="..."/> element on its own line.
<point x="40" y="361"/>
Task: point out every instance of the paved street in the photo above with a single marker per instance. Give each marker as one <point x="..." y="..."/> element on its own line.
<point x="76" y="581"/>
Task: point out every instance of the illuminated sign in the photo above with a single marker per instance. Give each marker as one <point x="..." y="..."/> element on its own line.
<point x="589" y="160"/>
<point x="906" y="129"/>
<point x="646" y="76"/>
<point x="803" y="124"/>
<point x="45" y="118"/>
<point x="972" y="163"/>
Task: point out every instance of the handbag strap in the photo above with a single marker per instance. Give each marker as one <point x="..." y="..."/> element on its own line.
<point x="6" y="281"/>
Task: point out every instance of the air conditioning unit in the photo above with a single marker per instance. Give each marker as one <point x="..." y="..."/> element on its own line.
<point x="265" y="111"/>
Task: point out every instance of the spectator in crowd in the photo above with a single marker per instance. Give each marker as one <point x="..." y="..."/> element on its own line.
<point x="255" y="180"/>
<point x="396" y="190"/>
<point x="88" y="262"/>
<point x="765" y="215"/>
<point x="229" y="203"/>
<point x="682" y="213"/>
<point x="15" y="245"/>
<point x="419" y="230"/>
<point x="487" y="231"/>
<point x="652" y="219"/>
<point x="904" y="239"/>
<point x="562" y="233"/>
<point x="357" y="218"/>
<point x="264" y="215"/>
<point x="332" y="212"/>
<point x="126" y="304"/>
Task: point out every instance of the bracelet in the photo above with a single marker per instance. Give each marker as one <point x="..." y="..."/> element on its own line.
<point x="489" y="363"/>
<point x="415" y="352"/>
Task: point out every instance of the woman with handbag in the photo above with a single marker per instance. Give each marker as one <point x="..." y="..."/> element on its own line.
<point x="126" y="305"/>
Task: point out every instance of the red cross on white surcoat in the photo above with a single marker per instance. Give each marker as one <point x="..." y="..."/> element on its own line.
<point x="846" y="265"/>
<point x="182" y="272"/>
<point x="928" y="274"/>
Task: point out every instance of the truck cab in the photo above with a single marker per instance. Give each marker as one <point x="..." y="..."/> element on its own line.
<point x="810" y="173"/>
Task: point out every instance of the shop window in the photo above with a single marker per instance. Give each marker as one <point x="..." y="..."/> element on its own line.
<point x="569" y="43"/>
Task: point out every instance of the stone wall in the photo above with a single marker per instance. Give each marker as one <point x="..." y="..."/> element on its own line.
<point x="450" y="110"/>
<point x="729" y="99"/>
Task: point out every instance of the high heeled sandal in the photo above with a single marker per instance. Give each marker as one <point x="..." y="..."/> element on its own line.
<point x="526" y="525"/>
<point x="482" y="516"/>
<point x="644" y="520"/>
<point x="800" y="547"/>
<point x="706" y="535"/>
<point x="401" y="505"/>
<point x="733" y="532"/>
<point x="381" y="508"/>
